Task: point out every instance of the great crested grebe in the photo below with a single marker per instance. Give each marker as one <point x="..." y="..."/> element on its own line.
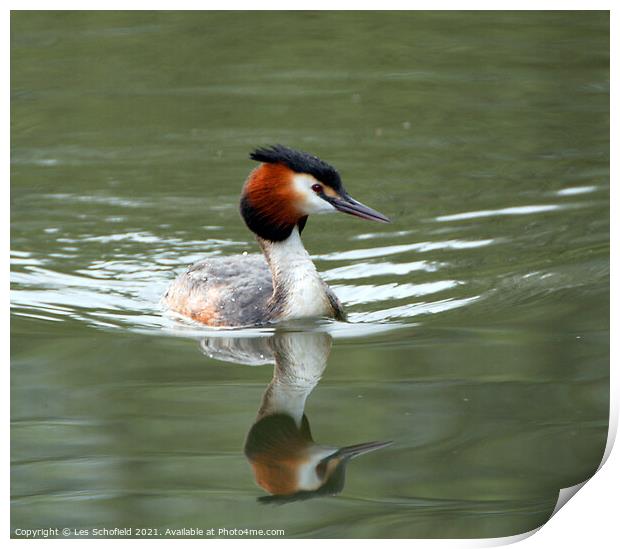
<point x="247" y="290"/>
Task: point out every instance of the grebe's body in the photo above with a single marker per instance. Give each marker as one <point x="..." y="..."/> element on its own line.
<point x="252" y="289"/>
<point x="282" y="284"/>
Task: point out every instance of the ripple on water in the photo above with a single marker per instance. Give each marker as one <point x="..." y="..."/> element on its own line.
<point x="517" y="210"/>
<point x="367" y="253"/>
<point x="370" y="293"/>
<point x="570" y="191"/>
<point x="125" y="291"/>
<point x="413" y="310"/>
<point x="366" y="269"/>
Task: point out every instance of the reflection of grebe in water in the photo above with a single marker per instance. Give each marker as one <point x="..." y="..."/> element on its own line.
<point x="249" y="290"/>
<point x="286" y="461"/>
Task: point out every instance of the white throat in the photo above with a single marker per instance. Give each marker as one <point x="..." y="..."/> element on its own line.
<point x="296" y="282"/>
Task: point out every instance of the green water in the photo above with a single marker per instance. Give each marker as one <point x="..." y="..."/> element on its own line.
<point x="478" y="339"/>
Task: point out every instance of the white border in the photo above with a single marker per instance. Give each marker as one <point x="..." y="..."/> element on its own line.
<point x="590" y="518"/>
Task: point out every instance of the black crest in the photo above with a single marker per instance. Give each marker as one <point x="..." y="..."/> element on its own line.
<point x="300" y="162"/>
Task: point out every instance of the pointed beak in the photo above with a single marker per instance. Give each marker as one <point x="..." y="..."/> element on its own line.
<point x="346" y="204"/>
<point x="350" y="452"/>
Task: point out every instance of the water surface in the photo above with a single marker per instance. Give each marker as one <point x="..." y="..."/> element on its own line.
<point x="478" y="339"/>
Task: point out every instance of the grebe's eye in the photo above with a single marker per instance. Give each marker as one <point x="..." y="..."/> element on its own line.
<point x="317" y="188"/>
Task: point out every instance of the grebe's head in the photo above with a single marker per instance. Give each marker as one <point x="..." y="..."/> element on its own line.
<point x="290" y="185"/>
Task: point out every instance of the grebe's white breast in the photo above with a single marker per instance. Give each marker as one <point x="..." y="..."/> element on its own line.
<point x="299" y="291"/>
